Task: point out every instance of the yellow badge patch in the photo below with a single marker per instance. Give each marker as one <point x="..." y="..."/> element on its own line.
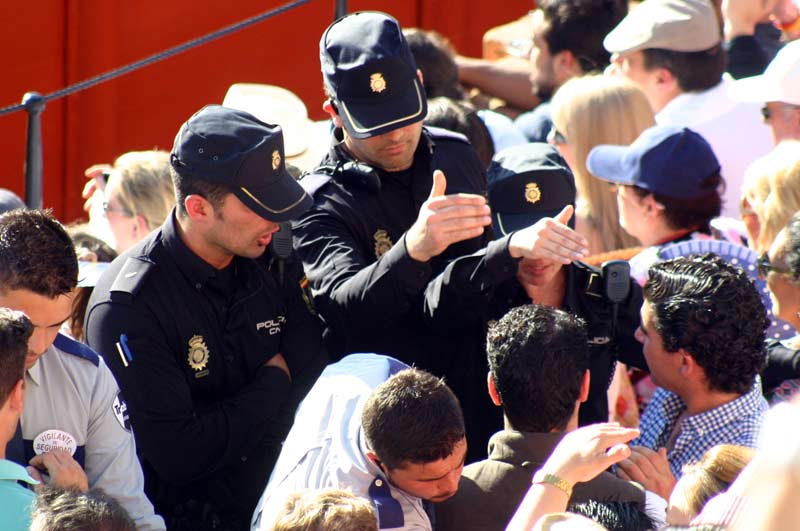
<point x="377" y="83"/>
<point x="382" y="242"/>
<point x="532" y="193"/>
<point x="276" y="160"/>
<point x="198" y="353"/>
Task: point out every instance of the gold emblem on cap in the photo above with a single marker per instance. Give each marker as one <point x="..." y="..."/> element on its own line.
<point x="377" y="83"/>
<point x="382" y="242"/>
<point x="276" y="160"/>
<point x="532" y="193"/>
<point x="198" y="353"/>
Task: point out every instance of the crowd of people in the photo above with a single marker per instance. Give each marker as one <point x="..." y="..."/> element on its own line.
<point x="577" y="309"/>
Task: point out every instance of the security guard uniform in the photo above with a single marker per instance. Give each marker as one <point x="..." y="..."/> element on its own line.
<point x="72" y="403"/>
<point x="365" y="285"/>
<point x="478" y="289"/>
<point x="187" y="344"/>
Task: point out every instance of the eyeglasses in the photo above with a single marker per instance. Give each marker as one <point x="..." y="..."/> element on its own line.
<point x="767" y="114"/>
<point x="765" y="267"/>
<point x="556" y="137"/>
<point x="124" y="211"/>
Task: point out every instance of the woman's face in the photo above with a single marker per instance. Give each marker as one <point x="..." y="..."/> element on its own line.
<point x="784" y="291"/>
<point x="123" y="223"/>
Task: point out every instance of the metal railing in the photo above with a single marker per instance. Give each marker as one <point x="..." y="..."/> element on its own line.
<point x="34" y="103"/>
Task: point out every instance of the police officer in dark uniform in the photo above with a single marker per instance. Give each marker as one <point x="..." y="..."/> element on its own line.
<point x="208" y="335"/>
<point x="382" y="225"/>
<point x="531" y="191"/>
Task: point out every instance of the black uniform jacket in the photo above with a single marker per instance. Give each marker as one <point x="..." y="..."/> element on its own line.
<point x="480" y="288"/>
<point x="366" y="287"/>
<point x="187" y="344"/>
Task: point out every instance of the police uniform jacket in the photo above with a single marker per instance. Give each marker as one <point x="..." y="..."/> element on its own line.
<point x="480" y="288"/>
<point x="72" y="403"/>
<point x="365" y="285"/>
<point x="187" y="344"/>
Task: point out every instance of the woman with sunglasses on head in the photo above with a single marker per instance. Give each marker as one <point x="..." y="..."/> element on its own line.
<point x="780" y="266"/>
<point x="586" y="112"/>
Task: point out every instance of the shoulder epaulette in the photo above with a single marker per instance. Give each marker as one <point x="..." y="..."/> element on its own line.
<point x="437" y="133"/>
<point x="70" y="346"/>
<point x="131" y="277"/>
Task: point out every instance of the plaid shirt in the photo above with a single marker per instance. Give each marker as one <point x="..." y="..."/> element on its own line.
<point x="737" y="422"/>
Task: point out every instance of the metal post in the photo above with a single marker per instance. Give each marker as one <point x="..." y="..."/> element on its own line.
<point x="34" y="105"/>
<point x="341" y="9"/>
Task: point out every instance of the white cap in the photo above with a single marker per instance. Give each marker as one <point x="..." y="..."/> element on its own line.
<point x="779" y="82"/>
<point x="675" y="25"/>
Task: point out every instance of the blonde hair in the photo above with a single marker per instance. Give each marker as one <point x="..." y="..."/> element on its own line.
<point x="772" y="188"/>
<point x="592" y="110"/>
<point x="145" y="185"/>
<point x="714" y="473"/>
<point x="326" y="510"/>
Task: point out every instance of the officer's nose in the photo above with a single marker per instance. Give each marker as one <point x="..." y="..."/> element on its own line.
<point x="37" y="342"/>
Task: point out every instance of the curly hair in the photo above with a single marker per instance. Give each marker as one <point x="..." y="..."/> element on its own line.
<point x="792" y="247"/>
<point x="36" y="254"/>
<point x="326" y="510"/>
<point x="72" y="510"/>
<point x="537" y="358"/>
<point x="712" y="310"/>
<point x="412" y="417"/>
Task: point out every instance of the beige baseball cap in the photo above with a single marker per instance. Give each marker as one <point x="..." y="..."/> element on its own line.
<point x="780" y="82"/>
<point x="675" y="25"/>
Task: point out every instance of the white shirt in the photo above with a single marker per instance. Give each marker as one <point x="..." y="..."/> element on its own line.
<point x="735" y="131"/>
<point x="326" y="447"/>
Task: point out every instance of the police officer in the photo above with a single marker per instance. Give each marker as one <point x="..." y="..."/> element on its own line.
<point x="74" y="414"/>
<point x="382" y="223"/>
<point x="531" y="191"/>
<point x="209" y="337"/>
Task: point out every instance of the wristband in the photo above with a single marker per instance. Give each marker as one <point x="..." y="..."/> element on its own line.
<point x="542" y="477"/>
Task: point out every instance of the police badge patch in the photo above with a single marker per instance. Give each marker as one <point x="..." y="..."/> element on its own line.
<point x="198" y="353"/>
<point x="382" y="242"/>
<point x="121" y="412"/>
<point x="276" y="160"/>
<point x="377" y="83"/>
<point x="532" y="193"/>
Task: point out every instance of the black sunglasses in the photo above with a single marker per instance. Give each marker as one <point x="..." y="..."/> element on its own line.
<point x="555" y="136"/>
<point x="765" y="267"/>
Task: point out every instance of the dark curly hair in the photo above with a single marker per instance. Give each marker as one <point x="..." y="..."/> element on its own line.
<point x="712" y="310"/>
<point x="792" y="246"/>
<point x="537" y="358"/>
<point x="15" y="330"/>
<point x="36" y="254"/>
<point x="412" y="417"/>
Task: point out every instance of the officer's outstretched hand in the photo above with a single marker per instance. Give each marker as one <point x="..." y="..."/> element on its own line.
<point x="445" y="219"/>
<point x="62" y="468"/>
<point x="549" y="238"/>
<point x="280" y="362"/>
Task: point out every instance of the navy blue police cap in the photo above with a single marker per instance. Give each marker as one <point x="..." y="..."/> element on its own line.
<point x="235" y="149"/>
<point x="370" y="71"/>
<point x="526" y="183"/>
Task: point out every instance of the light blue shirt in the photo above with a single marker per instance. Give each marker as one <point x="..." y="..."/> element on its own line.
<point x="326" y="448"/>
<point x="16" y="502"/>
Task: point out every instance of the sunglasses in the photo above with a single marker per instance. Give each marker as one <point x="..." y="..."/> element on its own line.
<point x="124" y="211"/>
<point x="765" y="267"/>
<point x="555" y="136"/>
<point x="766" y="114"/>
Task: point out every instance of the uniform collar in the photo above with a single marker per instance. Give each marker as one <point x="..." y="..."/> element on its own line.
<point x="197" y="270"/>
<point x="518" y="447"/>
<point x="35" y="372"/>
<point x="13" y="472"/>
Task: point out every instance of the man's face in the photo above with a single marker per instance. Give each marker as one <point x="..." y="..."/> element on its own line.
<point x="435" y="481"/>
<point x="392" y="151"/>
<point x="631" y="211"/>
<point x="783" y="119"/>
<point x="663" y="365"/>
<point x="631" y="66"/>
<point x="542" y="76"/>
<point x="238" y="231"/>
<point x="537" y="272"/>
<point x="46" y="314"/>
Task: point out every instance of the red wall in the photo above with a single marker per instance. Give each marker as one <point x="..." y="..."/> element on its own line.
<point x="48" y="44"/>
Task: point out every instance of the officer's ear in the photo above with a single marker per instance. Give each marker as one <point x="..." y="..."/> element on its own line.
<point x="198" y="208"/>
<point x="494" y="394"/>
<point x="421" y="79"/>
<point x="330" y="107"/>
<point x="16" y="397"/>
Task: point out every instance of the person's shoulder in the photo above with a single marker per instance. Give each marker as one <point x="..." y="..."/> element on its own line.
<point x="445" y="136"/>
<point x="128" y="273"/>
<point x="74" y="352"/>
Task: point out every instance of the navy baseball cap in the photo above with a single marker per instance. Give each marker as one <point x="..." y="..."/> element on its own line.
<point x="234" y="148"/>
<point x="527" y="183"/>
<point x="369" y="69"/>
<point x="667" y="160"/>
